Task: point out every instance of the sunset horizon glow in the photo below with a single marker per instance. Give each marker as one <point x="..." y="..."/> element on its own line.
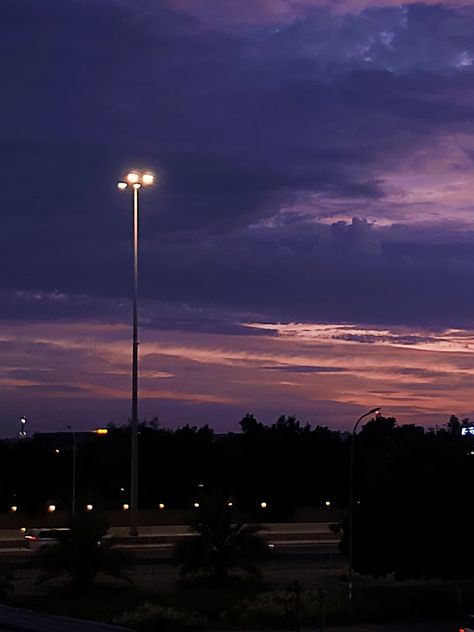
<point x="309" y="247"/>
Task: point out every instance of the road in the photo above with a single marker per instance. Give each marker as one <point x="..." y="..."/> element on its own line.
<point x="309" y="555"/>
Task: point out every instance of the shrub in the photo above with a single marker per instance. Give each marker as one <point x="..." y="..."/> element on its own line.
<point x="277" y="610"/>
<point x="5" y="586"/>
<point x="150" y="617"/>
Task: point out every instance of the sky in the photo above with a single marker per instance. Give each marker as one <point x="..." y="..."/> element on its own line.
<point x="309" y="247"/>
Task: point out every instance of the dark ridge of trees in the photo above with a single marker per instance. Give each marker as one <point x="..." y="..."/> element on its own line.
<point x="414" y="507"/>
<point x="287" y="464"/>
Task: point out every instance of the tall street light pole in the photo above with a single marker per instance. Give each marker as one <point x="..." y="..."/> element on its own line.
<point x="373" y="411"/>
<point x="74" y="458"/>
<point x="135" y="180"/>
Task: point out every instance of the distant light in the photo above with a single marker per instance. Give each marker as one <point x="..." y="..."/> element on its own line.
<point x="471" y="452"/>
<point x="196" y="505"/>
<point x="57" y="451"/>
<point x="125" y="506"/>
<point x="137" y="185"/>
<point x="23" y="529"/>
<point x="148" y="178"/>
<point x="230" y="504"/>
<point x="200" y="484"/>
<point x="102" y="431"/>
<point x="122" y="489"/>
<point x="161" y="506"/>
<point x="51" y="508"/>
<point x="133" y="177"/>
<point x="467" y="430"/>
<point x="328" y="503"/>
<point x="122" y="185"/>
<point x="263" y="505"/>
<point x="271" y="545"/>
<point x="23" y="420"/>
<point x="13" y="508"/>
<point x="89" y="507"/>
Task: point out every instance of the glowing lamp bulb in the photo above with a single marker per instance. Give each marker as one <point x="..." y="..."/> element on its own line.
<point x="161" y="506"/>
<point x="89" y="507"/>
<point x="148" y="178"/>
<point x="328" y="503"/>
<point x="122" y="185"/>
<point x="133" y="177"/>
<point x="263" y="505"/>
<point x="125" y="506"/>
<point x="196" y="505"/>
<point x="13" y="508"/>
<point x="51" y="508"/>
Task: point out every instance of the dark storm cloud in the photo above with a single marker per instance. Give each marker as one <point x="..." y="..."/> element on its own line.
<point x="240" y="126"/>
<point x="352" y="273"/>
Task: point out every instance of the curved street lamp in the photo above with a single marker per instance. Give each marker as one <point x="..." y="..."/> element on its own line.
<point x="373" y="411"/>
<point x="135" y="180"/>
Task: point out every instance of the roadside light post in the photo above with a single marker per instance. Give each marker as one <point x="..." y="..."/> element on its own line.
<point x="135" y="180"/>
<point x="74" y="455"/>
<point x="373" y="411"/>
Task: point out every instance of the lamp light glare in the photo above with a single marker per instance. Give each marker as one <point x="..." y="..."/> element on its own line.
<point x="196" y="505"/>
<point x="122" y="185"/>
<point x="102" y="431"/>
<point x="23" y="529"/>
<point x="161" y="506"/>
<point x="13" y="508"/>
<point x="133" y="177"/>
<point x="136" y="185"/>
<point x="51" y="508"/>
<point x="148" y="178"/>
<point x="89" y="507"/>
<point x="328" y="503"/>
<point x="125" y="506"/>
<point x="263" y="505"/>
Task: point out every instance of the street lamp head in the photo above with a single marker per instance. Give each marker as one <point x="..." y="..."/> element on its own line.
<point x="122" y="185"/>
<point x="148" y="178"/>
<point x="136" y="185"/>
<point x="133" y="177"/>
<point x="375" y="411"/>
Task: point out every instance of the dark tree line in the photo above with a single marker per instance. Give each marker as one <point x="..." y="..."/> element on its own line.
<point x="414" y="506"/>
<point x="286" y="464"/>
<point x="421" y="476"/>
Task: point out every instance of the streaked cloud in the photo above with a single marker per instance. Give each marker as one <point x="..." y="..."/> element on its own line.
<point x="310" y="245"/>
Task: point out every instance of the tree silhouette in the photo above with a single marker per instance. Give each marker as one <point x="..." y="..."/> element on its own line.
<point x="219" y="544"/>
<point x="83" y="553"/>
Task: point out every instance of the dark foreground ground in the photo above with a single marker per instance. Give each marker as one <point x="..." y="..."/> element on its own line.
<point x="267" y="604"/>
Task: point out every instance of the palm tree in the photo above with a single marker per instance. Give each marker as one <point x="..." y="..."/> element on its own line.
<point x="219" y="544"/>
<point x="83" y="554"/>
